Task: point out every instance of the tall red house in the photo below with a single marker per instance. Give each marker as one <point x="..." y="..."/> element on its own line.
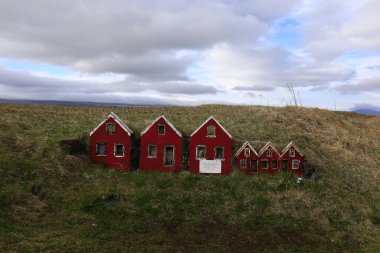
<point x="210" y="149"/>
<point x="269" y="159"/>
<point x="291" y="159"/>
<point x="246" y="159"/>
<point x="110" y="143"/>
<point x="161" y="146"/>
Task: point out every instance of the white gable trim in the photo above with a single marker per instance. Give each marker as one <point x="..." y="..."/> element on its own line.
<point x="117" y="120"/>
<point x="243" y="147"/>
<point x="269" y="144"/>
<point x="217" y="122"/>
<point x="167" y="122"/>
<point x="288" y="147"/>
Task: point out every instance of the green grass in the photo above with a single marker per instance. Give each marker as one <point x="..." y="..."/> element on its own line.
<point x="84" y="207"/>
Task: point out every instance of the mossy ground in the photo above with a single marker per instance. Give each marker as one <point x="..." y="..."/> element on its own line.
<point x="84" y="207"/>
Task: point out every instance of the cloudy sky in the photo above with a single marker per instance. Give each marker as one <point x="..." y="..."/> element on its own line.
<point x="190" y="52"/>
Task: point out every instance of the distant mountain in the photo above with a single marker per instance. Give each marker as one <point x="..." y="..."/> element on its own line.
<point x="367" y="112"/>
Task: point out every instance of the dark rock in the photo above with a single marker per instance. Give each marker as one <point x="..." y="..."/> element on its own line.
<point x="75" y="146"/>
<point x="36" y="189"/>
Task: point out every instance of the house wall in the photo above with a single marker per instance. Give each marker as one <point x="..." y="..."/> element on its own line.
<point x="239" y="157"/>
<point x="221" y="140"/>
<point x="285" y="156"/>
<point x="270" y="170"/>
<point x="120" y="137"/>
<point x="151" y="137"/>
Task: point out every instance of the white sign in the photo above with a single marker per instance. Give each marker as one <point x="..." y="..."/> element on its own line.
<point x="210" y="166"/>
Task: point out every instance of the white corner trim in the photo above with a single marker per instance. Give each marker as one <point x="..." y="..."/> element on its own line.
<point x="217" y="122"/>
<point x="117" y="120"/>
<point x="291" y="144"/>
<point x="269" y="144"/>
<point x="243" y="147"/>
<point x="167" y="122"/>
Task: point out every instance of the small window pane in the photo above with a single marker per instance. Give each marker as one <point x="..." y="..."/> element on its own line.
<point x="246" y="151"/>
<point x="119" y="150"/>
<point x="264" y="164"/>
<point x="243" y="163"/>
<point x="274" y="164"/>
<point x="169" y="156"/>
<point x="100" y="149"/>
<point x="219" y="152"/>
<point x="291" y="152"/>
<point x="110" y="128"/>
<point x="210" y="131"/>
<point x="161" y="129"/>
<point x="295" y="164"/>
<point x="269" y="152"/>
<point x="152" y="151"/>
<point x="201" y="152"/>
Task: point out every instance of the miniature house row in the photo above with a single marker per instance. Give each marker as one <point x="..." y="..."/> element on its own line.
<point x="210" y="149"/>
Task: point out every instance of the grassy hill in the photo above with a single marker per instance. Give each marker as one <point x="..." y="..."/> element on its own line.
<point x="84" y="207"/>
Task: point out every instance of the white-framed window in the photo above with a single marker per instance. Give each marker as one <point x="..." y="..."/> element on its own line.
<point x="110" y="128"/>
<point x="161" y="129"/>
<point x="247" y="151"/>
<point x="264" y="164"/>
<point x="269" y="151"/>
<point x="219" y="153"/>
<point x="201" y="152"/>
<point x="100" y="149"/>
<point x="274" y="164"/>
<point x="211" y="131"/>
<point x="243" y="163"/>
<point x="169" y="156"/>
<point x="152" y="151"/>
<point x="295" y="164"/>
<point x="292" y="152"/>
<point x="119" y="150"/>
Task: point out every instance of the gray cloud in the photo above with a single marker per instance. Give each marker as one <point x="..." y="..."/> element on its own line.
<point x="271" y="67"/>
<point x="22" y="82"/>
<point x="254" y="88"/>
<point x="362" y="86"/>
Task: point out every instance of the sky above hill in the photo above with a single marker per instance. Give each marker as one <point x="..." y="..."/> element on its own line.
<point x="192" y="52"/>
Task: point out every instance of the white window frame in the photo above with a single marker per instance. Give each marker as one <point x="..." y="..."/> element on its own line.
<point x="292" y="152"/>
<point x="196" y="152"/>
<point x="246" y="154"/>
<point x="274" y="168"/>
<point x="158" y="129"/>
<point x="114" y="128"/>
<point x="241" y="163"/>
<point x="114" y="150"/>
<point x="172" y="165"/>
<point x="209" y="135"/>
<point x="222" y="153"/>
<point x="96" y="149"/>
<point x="298" y="162"/>
<point x="269" y="152"/>
<point x="151" y="156"/>
<point x="261" y="165"/>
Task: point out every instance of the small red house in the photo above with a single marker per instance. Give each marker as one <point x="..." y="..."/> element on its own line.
<point x="246" y="159"/>
<point x="161" y="146"/>
<point x="291" y="159"/>
<point x="269" y="159"/>
<point x="110" y="143"/>
<point x="210" y="149"/>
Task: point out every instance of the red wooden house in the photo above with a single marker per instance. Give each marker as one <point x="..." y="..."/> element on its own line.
<point x="110" y="143"/>
<point x="269" y="159"/>
<point x="291" y="159"/>
<point x="161" y="146"/>
<point x="210" y="149"/>
<point x="246" y="159"/>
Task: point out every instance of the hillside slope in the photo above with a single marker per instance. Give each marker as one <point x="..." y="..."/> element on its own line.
<point x="82" y="207"/>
